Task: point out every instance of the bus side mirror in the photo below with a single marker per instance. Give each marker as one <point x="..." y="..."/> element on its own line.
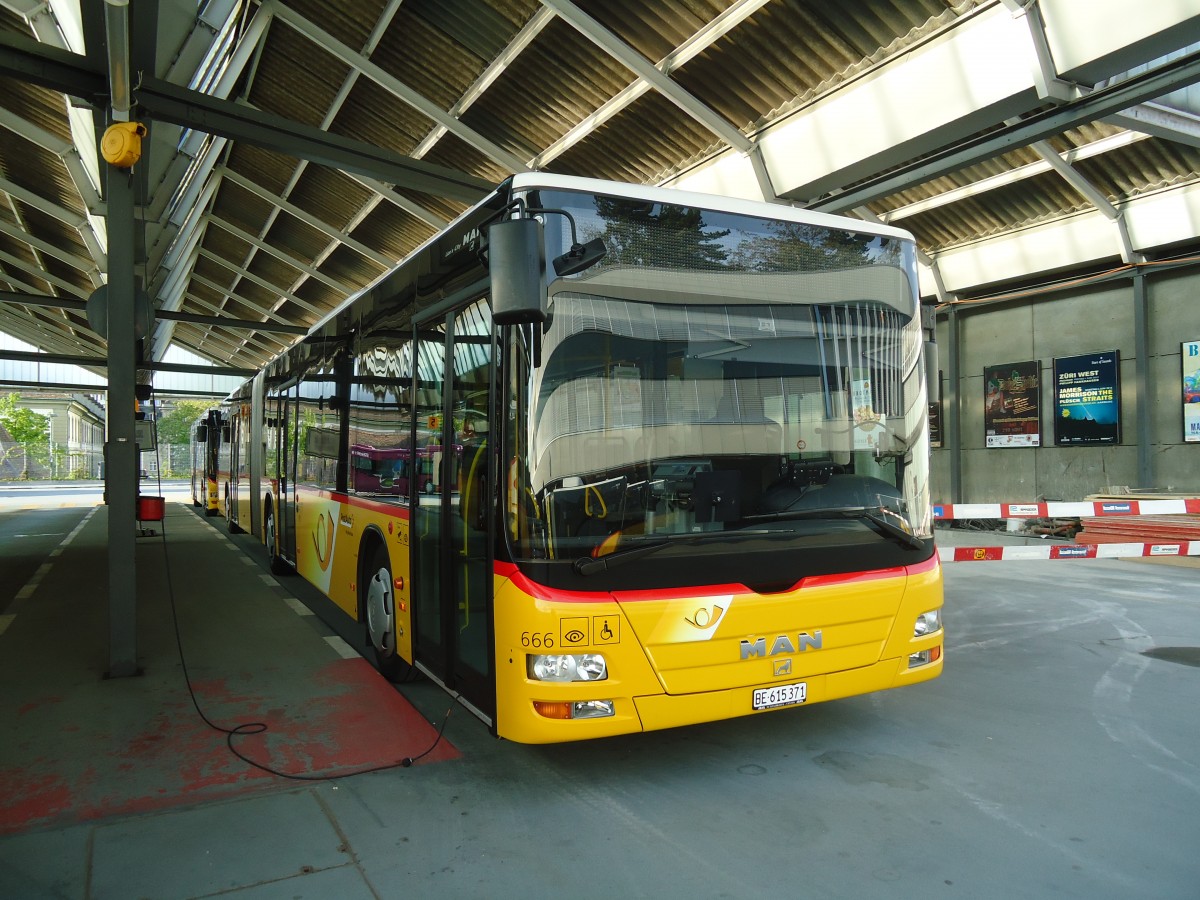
<point x="933" y="381"/>
<point x="517" y="265"/>
<point x="201" y="434"/>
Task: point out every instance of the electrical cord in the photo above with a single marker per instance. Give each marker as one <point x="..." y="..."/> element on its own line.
<point x="249" y="728"/>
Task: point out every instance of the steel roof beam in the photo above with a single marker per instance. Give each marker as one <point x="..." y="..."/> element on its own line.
<point x="253" y="342"/>
<point x="261" y="282"/>
<point x="688" y="50"/>
<point x="64" y="150"/>
<point x="1004" y="179"/>
<point x="21" y="233"/>
<point x="307" y="218"/>
<point x="38" y="272"/>
<point x="640" y="66"/>
<point x="262" y="338"/>
<point x="230" y="295"/>
<point x="1072" y="176"/>
<point x="163" y="100"/>
<point x="523" y="38"/>
<point x="221" y="321"/>
<point x="335" y="107"/>
<point x="278" y="254"/>
<point x="1156" y="120"/>
<point x="101" y="362"/>
<point x="1093" y="106"/>
<point x="394" y="86"/>
<point x="224" y="352"/>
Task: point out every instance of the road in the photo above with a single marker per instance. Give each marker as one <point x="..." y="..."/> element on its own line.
<point x="36" y="517"/>
<point x="1058" y="756"/>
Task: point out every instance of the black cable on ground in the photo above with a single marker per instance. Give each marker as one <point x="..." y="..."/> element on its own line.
<point x="248" y="728"/>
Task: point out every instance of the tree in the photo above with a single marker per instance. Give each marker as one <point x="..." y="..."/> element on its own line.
<point x="25" y="426"/>
<point x="637" y="233"/>
<point x="29" y="432"/>
<point x="175" y="427"/>
<point x="793" y="247"/>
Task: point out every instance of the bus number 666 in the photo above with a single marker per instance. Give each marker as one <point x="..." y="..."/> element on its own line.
<point x="536" y="640"/>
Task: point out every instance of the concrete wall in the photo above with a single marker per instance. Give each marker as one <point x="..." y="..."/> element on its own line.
<point x="1068" y="322"/>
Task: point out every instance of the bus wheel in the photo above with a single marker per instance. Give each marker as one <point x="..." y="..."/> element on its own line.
<point x="230" y="522"/>
<point x="379" y="604"/>
<point x="278" y="566"/>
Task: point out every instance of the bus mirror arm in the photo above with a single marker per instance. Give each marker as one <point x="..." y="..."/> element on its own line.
<point x="580" y="257"/>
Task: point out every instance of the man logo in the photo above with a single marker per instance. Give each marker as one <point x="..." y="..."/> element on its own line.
<point x="782" y="644"/>
<point x="783" y="667"/>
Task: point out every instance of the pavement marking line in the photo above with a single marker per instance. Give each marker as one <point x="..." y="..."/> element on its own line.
<point x="297" y="607"/>
<point x="341" y="648"/>
<point x="5" y="621"/>
<point x="44" y="569"/>
<point x="269" y="579"/>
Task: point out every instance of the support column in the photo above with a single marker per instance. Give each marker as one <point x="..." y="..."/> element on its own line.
<point x="951" y="407"/>
<point x="1141" y="344"/>
<point x="121" y="476"/>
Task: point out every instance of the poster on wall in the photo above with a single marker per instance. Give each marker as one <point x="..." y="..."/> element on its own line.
<point x="935" y="416"/>
<point x="1087" y="399"/>
<point x="1012" y="412"/>
<point x="1191" y="390"/>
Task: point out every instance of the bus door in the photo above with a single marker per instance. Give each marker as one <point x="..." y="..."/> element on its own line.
<point x="452" y="525"/>
<point x="283" y="414"/>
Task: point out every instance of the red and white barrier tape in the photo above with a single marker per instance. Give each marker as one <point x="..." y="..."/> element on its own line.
<point x="1067" y="551"/>
<point x="1052" y="510"/>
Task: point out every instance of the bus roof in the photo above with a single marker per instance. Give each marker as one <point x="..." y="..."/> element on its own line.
<point x="525" y="181"/>
<point x="734" y="205"/>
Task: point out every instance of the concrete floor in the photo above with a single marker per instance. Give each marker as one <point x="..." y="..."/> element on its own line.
<point x="1059" y="755"/>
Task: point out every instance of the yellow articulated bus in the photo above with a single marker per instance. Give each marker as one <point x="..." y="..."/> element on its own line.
<point x="206" y="462"/>
<point x="603" y="458"/>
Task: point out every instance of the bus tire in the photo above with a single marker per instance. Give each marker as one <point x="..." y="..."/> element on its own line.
<point x="278" y="565"/>
<point x="230" y="521"/>
<point x="379" y="612"/>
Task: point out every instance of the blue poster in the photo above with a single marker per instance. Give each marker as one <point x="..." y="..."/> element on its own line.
<point x="1190" y="353"/>
<point x="1087" y="399"/>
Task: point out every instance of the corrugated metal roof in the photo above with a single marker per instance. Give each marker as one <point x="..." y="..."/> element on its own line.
<point x="484" y="87"/>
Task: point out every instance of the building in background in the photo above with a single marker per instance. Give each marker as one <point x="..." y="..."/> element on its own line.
<point x="74" y="443"/>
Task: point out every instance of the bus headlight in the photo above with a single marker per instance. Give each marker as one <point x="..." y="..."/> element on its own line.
<point x="928" y="623"/>
<point x="567" y="667"/>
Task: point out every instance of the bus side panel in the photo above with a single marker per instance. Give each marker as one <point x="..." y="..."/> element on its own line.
<point x="320" y="528"/>
<point x="331" y="530"/>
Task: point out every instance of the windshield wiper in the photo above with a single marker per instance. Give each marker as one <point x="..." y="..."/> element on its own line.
<point x="870" y="514"/>
<point x="588" y="565"/>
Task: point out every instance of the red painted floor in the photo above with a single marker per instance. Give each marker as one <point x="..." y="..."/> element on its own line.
<point x="77" y="747"/>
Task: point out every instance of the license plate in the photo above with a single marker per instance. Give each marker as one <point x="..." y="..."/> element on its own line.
<point x="781" y="695"/>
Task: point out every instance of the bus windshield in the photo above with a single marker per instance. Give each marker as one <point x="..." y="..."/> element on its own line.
<point x="735" y="378"/>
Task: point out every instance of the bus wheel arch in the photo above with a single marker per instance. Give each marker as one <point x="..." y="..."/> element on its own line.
<point x="230" y="518"/>
<point x="377" y="607"/>
<point x="279" y="566"/>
